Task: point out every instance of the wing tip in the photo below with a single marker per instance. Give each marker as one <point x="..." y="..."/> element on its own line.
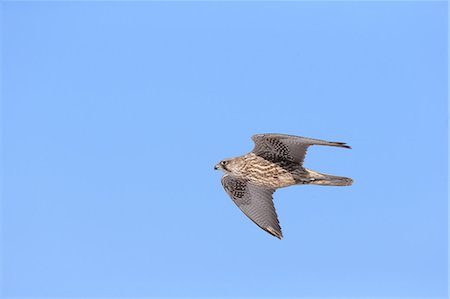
<point x="275" y="233"/>
<point x="342" y="144"/>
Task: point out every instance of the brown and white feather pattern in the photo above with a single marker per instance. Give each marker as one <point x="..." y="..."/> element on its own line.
<point x="262" y="172"/>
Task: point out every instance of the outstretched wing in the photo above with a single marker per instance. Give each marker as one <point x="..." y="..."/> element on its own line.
<point x="255" y="201"/>
<point x="279" y="148"/>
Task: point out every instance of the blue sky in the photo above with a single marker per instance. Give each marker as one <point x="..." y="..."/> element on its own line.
<point x="114" y="114"/>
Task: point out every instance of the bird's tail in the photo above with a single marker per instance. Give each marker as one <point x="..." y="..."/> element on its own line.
<point x="317" y="178"/>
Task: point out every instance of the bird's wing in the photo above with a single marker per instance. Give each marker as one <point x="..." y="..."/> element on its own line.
<point x="255" y="201"/>
<point x="280" y="148"/>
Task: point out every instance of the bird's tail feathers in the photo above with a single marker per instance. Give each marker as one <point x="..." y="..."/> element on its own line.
<point x="317" y="178"/>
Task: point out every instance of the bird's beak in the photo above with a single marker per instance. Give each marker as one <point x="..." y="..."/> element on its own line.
<point x="216" y="167"/>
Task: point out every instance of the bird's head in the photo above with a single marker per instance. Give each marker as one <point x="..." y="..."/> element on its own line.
<point x="222" y="165"/>
<point x="233" y="165"/>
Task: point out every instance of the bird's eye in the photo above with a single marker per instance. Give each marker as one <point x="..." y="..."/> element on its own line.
<point x="223" y="162"/>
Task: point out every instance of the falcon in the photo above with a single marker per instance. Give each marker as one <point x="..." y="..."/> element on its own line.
<point x="275" y="162"/>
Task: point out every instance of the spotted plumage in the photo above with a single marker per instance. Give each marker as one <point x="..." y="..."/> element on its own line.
<point x="275" y="162"/>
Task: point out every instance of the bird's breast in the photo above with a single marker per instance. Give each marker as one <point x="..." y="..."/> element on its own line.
<point x="263" y="172"/>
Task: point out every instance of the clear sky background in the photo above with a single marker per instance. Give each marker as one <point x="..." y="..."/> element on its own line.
<point x="114" y="115"/>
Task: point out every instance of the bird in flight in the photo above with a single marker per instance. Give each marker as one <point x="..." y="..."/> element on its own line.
<point x="275" y="162"/>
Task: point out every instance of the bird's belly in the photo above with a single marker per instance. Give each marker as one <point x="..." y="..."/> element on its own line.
<point x="274" y="181"/>
<point x="263" y="172"/>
